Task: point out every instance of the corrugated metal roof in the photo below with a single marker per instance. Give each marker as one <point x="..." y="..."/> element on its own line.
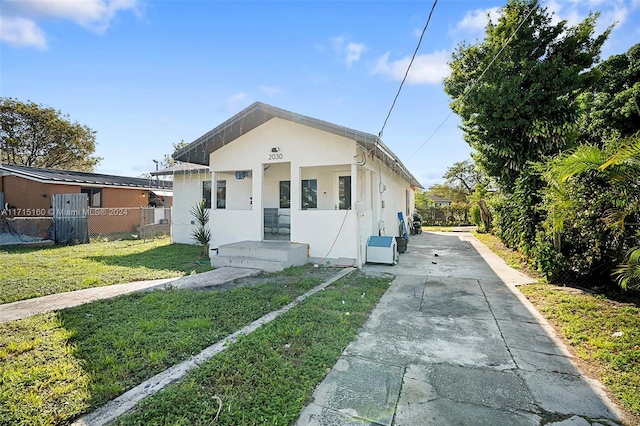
<point x="181" y="169"/>
<point x="259" y="113"/>
<point x="70" y="177"/>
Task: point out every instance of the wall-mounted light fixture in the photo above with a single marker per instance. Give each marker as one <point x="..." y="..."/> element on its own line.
<point x="275" y="149"/>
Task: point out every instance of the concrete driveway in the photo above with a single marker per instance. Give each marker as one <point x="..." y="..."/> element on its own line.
<point x="453" y="342"/>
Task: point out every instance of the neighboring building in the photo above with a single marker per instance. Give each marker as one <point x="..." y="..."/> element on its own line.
<point x="439" y="201"/>
<point x="26" y="192"/>
<point x="194" y="183"/>
<point x="278" y="175"/>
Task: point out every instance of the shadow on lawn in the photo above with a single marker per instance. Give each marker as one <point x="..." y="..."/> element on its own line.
<point x="173" y="257"/>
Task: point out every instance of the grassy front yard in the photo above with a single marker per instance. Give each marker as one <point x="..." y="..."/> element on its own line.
<point x="57" y="365"/>
<point x="38" y="271"/>
<point x="602" y="332"/>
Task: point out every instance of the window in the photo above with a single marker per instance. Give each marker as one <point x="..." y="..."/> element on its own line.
<point x="221" y="194"/>
<point x="94" y="196"/>
<point x="344" y="192"/>
<point x="285" y="194"/>
<point x="309" y="194"/>
<point x="206" y="193"/>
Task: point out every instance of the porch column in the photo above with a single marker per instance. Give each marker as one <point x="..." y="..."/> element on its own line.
<point x="256" y="190"/>
<point x="295" y="191"/>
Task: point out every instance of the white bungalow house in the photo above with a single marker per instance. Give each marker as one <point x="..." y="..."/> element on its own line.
<point x="281" y="177"/>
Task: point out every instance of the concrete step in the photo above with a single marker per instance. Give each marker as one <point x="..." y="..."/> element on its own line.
<point x="248" y="262"/>
<point x="271" y="256"/>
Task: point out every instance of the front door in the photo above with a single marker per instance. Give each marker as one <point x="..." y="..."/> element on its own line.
<point x="276" y="201"/>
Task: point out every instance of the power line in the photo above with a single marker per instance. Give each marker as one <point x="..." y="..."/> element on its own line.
<point x="408" y="68"/>
<point x="531" y="9"/>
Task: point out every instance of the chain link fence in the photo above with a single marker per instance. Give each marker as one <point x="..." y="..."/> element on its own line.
<point x="25" y="230"/>
<point x="104" y="224"/>
<point x="445" y="216"/>
<point x="142" y="223"/>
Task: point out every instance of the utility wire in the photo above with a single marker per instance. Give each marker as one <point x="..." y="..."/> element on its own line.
<point x="408" y="68"/>
<point x="477" y="81"/>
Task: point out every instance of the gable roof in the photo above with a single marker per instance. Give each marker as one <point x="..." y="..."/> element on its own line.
<point x="70" y="177"/>
<point x="259" y="113"/>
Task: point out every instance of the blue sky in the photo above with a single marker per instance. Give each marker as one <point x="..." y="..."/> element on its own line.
<point x="147" y="74"/>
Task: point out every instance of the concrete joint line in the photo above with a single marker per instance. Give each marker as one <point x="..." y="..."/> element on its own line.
<point x="128" y="400"/>
<point x="395" y="406"/>
<point x="498" y="326"/>
<point x="424" y="290"/>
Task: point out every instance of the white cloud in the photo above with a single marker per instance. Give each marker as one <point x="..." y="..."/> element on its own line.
<point x="94" y="15"/>
<point x="428" y="68"/>
<point x="21" y="32"/>
<point x="574" y="12"/>
<point x="20" y="18"/>
<point x="351" y="51"/>
<point x="476" y="20"/>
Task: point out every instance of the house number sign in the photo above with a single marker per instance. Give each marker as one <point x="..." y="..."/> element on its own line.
<point x="275" y="156"/>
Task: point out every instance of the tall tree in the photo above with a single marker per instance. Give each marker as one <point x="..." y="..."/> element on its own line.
<point x="39" y="136"/>
<point x="516" y="90"/>
<point x="465" y="175"/>
<point x="168" y="160"/>
<point x="611" y="106"/>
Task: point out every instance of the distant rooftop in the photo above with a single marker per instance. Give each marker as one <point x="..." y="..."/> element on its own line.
<point x="70" y="177"/>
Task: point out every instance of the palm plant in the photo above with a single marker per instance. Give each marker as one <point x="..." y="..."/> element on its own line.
<point x="201" y="233"/>
<point x="620" y="171"/>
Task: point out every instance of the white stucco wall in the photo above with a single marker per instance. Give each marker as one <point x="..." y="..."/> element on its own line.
<point x="187" y="193"/>
<point x="301" y="152"/>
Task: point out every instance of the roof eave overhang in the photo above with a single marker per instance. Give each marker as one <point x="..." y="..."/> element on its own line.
<point x="198" y="151"/>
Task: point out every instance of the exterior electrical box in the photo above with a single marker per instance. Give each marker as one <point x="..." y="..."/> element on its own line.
<point x="382" y="250"/>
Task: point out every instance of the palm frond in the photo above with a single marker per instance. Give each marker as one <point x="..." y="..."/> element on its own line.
<point x="628" y="274"/>
<point x="584" y="158"/>
<point x="629" y="153"/>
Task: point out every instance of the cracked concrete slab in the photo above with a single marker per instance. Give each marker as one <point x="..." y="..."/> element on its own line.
<point x="569" y="394"/>
<point x="361" y="389"/>
<point x="444" y="412"/>
<point x="473" y="350"/>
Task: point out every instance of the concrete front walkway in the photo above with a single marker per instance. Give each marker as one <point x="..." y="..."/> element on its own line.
<point x="453" y="342"/>
<point x="29" y="307"/>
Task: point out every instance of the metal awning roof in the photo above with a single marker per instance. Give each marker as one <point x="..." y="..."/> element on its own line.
<point x="163" y="193"/>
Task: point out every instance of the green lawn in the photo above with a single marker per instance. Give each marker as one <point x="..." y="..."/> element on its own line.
<point x="269" y="375"/>
<point x="38" y="271"/>
<point x="437" y="229"/>
<point x="55" y="366"/>
<point x="588" y="323"/>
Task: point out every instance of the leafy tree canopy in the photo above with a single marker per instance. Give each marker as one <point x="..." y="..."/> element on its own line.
<point x="39" y="136"/>
<point x="455" y="194"/>
<point x="168" y="160"/>
<point x="521" y="106"/>
<point x="611" y="106"/>
<point x="465" y="176"/>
